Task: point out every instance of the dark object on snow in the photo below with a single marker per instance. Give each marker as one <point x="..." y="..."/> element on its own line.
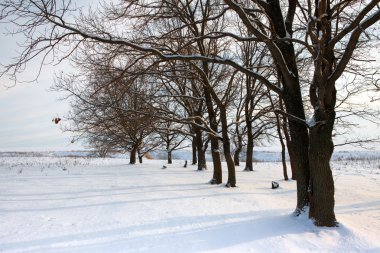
<point x="213" y="181"/>
<point x="185" y="164"/>
<point x="164" y="167"/>
<point x="229" y="185"/>
<point x="56" y="120"/>
<point x="275" y="185"/>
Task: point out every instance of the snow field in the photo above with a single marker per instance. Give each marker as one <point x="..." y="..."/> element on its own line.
<point x="106" y="205"/>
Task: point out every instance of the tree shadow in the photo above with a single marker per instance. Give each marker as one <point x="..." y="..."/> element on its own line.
<point x="179" y="234"/>
<point x="359" y="207"/>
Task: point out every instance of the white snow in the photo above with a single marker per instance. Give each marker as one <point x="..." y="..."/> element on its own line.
<point x="60" y="204"/>
<point x="311" y="122"/>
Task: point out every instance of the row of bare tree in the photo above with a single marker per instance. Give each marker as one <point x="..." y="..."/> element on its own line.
<point x="217" y="67"/>
<point x="165" y="103"/>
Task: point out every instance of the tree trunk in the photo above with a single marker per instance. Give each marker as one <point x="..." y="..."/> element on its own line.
<point x="283" y="149"/>
<point x="239" y="147"/>
<point x="321" y="148"/>
<point x="132" y="158"/>
<point x="140" y="156"/>
<point x="217" y="174"/>
<point x="200" y="151"/>
<point x="170" y="157"/>
<point x="283" y="159"/>
<point x="299" y="148"/>
<point x="298" y="131"/>
<point x="237" y="156"/>
<point x="194" y="150"/>
<point x="215" y="152"/>
<point x="231" y="182"/>
<point x="248" y="107"/>
<point x="202" y="160"/>
<point x="249" y="159"/>
<point x="293" y="104"/>
<point x="140" y="159"/>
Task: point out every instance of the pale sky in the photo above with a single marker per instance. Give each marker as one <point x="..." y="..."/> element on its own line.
<point x="26" y="110"/>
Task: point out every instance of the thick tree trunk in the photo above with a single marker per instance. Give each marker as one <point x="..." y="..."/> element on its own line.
<point x="217" y="174"/>
<point x="321" y="148"/>
<point x="194" y="151"/>
<point x="132" y="158"/>
<point x="200" y="151"/>
<point x="170" y="161"/>
<point x="298" y="132"/>
<point x="202" y="160"/>
<point x="249" y="159"/>
<point x="299" y="147"/>
<point x="231" y="182"/>
<point x="294" y="105"/>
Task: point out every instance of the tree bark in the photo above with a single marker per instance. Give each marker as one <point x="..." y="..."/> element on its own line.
<point x="239" y="147"/>
<point x="217" y="174"/>
<point x="194" y="151"/>
<point x="215" y="153"/>
<point x="231" y="181"/>
<point x="200" y="151"/>
<point x="321" y="148"/>
<point x="248" y="122"/>
<point x="299" y="148"/>
<point x="132" y="158"/>
<point x="249" y="159"/>
<point x="202" y="160"/>
<point x="170" y="161"/>
<point x="294" y="106"/>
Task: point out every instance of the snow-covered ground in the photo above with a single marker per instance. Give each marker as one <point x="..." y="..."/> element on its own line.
<point x="61" y="204"/>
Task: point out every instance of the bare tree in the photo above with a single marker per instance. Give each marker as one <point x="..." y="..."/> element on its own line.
<point x="110" y="112"/>
<point x="253" y="119"/>
<point x="172" y="137"/>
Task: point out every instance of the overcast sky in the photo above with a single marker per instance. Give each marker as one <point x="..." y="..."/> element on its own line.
<point x="26" y="110"/>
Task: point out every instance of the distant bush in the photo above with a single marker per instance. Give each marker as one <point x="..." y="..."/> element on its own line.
<point x="148" y="156"/>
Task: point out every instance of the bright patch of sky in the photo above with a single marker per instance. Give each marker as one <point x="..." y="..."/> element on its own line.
<point x="25" y="118"/>
<point x="27" y="108"/>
